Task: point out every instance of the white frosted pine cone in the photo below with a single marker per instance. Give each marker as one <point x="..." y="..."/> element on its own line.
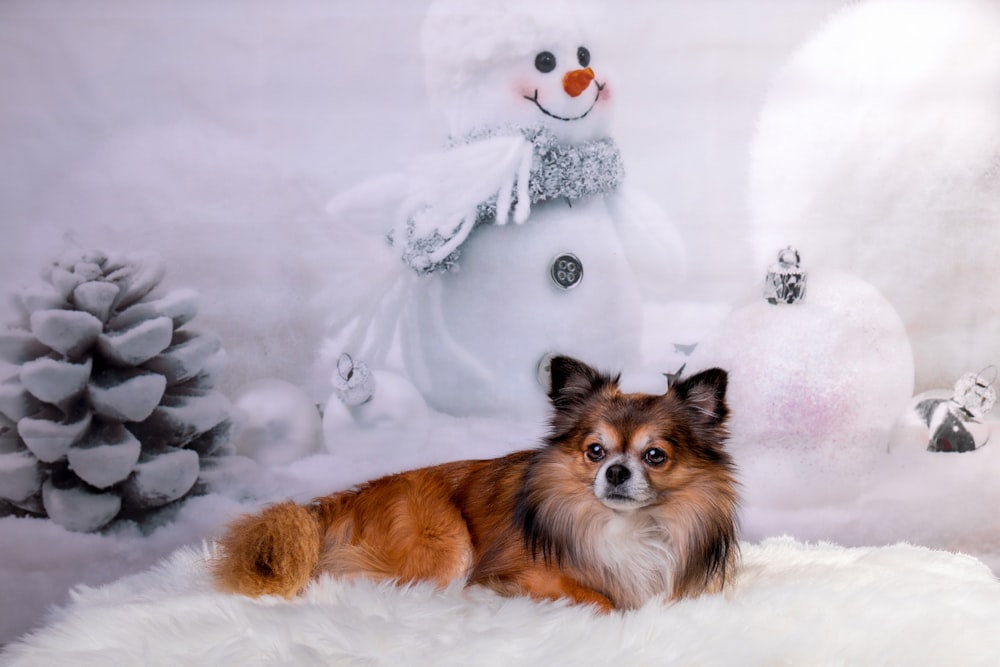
<point x="108" y="406"/>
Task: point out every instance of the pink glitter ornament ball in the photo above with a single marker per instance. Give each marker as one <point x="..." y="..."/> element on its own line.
<point x="824" y="378"/>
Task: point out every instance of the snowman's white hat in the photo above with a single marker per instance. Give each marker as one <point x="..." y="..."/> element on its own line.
<point x="463" y="38"/>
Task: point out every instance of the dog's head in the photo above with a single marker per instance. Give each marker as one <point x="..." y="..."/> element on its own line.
<point x="637" y="450"/>
<point x="636" y="489"/>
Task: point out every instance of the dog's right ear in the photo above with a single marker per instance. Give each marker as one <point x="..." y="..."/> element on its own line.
<point x="704" y="395"/>
<point x="572" y="381"/>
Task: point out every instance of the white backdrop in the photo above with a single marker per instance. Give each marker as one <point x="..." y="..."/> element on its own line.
<point x="214" y="131"/>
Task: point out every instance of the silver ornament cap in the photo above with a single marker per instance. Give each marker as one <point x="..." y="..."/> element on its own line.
<point x="786" y="280"/>
<point x="974" y="393"/>
<point x="353" y="382"/>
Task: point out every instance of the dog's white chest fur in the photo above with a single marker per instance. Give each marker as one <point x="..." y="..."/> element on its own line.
<point x="635" y="558"/>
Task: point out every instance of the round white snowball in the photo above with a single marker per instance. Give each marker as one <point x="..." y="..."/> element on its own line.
<point x="395" y="413"/>
<point x="876" y="154"/>
<point x="277" y="423"/>
<point x="823" y="379"/>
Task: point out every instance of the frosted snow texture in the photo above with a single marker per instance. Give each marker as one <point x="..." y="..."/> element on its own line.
<point x="138" y="344"/>
<point x="96" y="298"/>
<point x="49" y="436"/>
<point x="15" y="401"/>
<point x="20" y="475"/>
<point x="106" y="457"/>
<point x="126" y="395"/>
<point x="55" y="380"/>
<point x="78" y="509"/>
<point x="187" y="356"/>
<point x="161" y="479"/>
<point x="396" y="412"/>
<point x="68" y="332"/>
<point x="277" y="423"/>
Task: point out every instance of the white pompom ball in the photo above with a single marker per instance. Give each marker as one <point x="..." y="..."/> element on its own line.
<point x="820" y="380"/>
<point x="395" y="414"/>
<point x="277" y="423"/>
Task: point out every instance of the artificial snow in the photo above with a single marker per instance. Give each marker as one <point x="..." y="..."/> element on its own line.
<point x="96" y="298"/>
<point x="162" y="478"/>
<point x="49" y="437"/>
<point x="107" y="456"/>
<point x="69" y="332"/>
<point x="137" y="344"/>
<point x="395" y="412"/>
<point x="19" y="345"/>
<point x="126" y="394"/>
<point x="55" y="380"/>
<point x="79" y="509"/>
<point x="180" y="305"/>
<point x="20" y="477"/>
<point x="180" y="418"/>
<point x="276" y="423"/>
<point x="15" y="401"/>
<point x="189" y="353"/>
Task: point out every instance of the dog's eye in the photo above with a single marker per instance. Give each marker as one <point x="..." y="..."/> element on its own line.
<point x="545" y="62"/>
<point x="595" y="452"/>
<point x="654" y="456"/>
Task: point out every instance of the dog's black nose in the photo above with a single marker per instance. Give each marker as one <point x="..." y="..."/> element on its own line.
<point x="617" y="474"/>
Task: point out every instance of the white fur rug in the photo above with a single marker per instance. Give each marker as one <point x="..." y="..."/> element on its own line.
<point x="792" y="604"/>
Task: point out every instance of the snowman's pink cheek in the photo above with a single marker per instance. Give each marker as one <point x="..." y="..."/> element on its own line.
<point x="607" y="94"/>
<point x="522" y="89"/>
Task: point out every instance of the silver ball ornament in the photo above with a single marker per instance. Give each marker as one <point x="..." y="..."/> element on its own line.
<point x="353" y="382"/>
<point x="956" y="424"/>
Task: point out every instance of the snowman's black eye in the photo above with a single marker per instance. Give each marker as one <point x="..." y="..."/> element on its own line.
<point x="545" y="62"/>
<point x="583" y="56"/>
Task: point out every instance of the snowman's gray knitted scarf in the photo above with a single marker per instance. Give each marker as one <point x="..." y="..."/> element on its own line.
<point x="558" y="171"/>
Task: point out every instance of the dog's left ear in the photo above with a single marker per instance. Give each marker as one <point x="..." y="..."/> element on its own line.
<point x="704" y="395"/>
<point x="572" y="381"/>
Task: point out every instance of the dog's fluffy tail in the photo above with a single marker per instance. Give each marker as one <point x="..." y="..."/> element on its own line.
<point x="274" y="552"/>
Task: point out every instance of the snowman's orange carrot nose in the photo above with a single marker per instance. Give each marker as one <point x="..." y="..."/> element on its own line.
<point x="576" y="82"/>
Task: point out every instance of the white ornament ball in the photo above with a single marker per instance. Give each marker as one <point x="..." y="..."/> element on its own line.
<point x="277" y="423"/>
<point x="395" y="414"/>
<point x="823" y="379"/>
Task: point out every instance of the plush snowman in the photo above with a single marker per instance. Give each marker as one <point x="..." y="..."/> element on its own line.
<point x="519" y="239"/>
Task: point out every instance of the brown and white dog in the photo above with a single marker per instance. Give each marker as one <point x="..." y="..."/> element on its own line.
<point x="631" y="496"/>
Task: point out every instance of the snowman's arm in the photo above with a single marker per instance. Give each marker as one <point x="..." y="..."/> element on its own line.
<point x="369" y="206"/>
<point x="652" y="243"/>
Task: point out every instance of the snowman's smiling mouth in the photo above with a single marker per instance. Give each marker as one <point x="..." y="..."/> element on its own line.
<point x="534" y="98"/>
